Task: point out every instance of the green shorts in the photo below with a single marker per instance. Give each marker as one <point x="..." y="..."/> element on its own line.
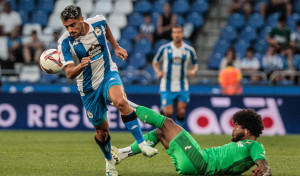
<point x="186" y="154"/>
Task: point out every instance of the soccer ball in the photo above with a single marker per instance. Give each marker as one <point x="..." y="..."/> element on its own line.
<point x="50" y="61"/>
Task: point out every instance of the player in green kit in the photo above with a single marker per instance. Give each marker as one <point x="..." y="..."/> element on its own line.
<point x="189" y="159"/>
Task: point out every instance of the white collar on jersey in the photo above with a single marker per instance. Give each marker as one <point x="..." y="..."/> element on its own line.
<point x="173" y="46"/>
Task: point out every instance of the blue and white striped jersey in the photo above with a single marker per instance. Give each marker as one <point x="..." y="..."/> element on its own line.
<point x="93" y="44"/>
<point x="175" y="64"/>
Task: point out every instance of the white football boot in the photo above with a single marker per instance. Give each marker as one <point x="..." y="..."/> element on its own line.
<point x="111" y="168"/>
<point x="115" y="155"/>
<point x="147" y="150"/>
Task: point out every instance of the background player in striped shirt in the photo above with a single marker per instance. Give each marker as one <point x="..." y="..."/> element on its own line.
<point x="189" y="159"/>
<point x="175" y="58"/>
<point x="85" y="55"/>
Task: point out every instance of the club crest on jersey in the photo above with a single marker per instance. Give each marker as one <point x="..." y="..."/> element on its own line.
<point x="90" y="115"/>
<point x="177" y="60"/>
<point x="75" y="43"/>
<point x="98" y="31"/>
<point x="95" y="50"/>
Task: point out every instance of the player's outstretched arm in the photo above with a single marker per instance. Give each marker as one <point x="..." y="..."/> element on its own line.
<point x="262" y="169"/>
<point x="72" y="71"/>
<point x="120" y="52"/>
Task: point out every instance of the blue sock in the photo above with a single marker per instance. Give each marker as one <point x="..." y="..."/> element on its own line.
<point x="132" y="124"/>
<point x="105" y="147"/>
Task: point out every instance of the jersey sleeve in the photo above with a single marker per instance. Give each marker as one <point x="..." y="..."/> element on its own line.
<point x="65" y="52"/>
<point x="257" y="152"/>
<point x="159" y="54"/>
<point x="101" y="20"/>
<point x="193" y="56"/>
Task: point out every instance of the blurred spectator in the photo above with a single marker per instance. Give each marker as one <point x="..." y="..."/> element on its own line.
<point x="283" y="6"/>
<point x="2" y="3"/>
<point x="33" y="49"/>
<point x="53" y="43"/>
<point x="9" y="20"/>
<point x="279" y="37"/>
<point x="146" y="29"/>
<point x="230" y="57"/>
<point x="272" y="62"/>
<point x="250" y="64"/>
<point x="242" y="6"/>
<point x="230" y="80"/>
<point x="15" y="47"/>
<point x="295" y="39"/>
<point x="165" y="23"/>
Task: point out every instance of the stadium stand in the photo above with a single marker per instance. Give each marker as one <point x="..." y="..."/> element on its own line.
<point x="242" y="33"/>
<point x="126" y="16"/>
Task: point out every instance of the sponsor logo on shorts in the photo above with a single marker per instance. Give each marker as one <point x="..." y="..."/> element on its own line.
<point x="164" y="101"/>
<point x="111" y="79"/>
<point x="90" y="115"/>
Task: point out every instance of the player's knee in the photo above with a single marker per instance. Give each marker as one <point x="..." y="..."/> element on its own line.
<point x="168" y="113"/>
<point x="181" y="113"/>
<point x="102" y="135"/>
<point x="120" y="103"/>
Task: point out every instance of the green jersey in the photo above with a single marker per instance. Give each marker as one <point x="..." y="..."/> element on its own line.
<point x="281" y="35"/>
<point x="233" y="158"/>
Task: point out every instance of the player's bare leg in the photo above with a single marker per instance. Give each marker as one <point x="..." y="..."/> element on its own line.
<point x="168" y="110"/>
<point x="169" y="130"/>
<point x="102" y="138"/>
<point x="181" y="106"/>
<point x="118" y="97"/>
<point x="165" y="132"/>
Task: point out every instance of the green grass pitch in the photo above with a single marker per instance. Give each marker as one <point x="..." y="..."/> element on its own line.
<point x="76" y="153"/>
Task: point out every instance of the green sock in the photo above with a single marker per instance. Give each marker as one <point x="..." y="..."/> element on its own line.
<point x="149" y="116"/>
<point x="150" y="138"/>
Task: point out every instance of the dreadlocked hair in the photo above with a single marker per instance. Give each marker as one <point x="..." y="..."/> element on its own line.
<point x="250" y="120"/>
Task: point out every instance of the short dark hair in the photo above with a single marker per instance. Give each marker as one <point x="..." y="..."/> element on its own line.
<point x="250" y="120"/>
<point x="147" y="14"/>
<point x="282" y="18"/>
<point x="71" y="12"/>
<point x="251" y="49"/>
<point x="34" y="32"/>
<point x="177" y="26"/>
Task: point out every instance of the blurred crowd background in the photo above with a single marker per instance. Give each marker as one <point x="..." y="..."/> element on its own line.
<point x="261" y="38"/>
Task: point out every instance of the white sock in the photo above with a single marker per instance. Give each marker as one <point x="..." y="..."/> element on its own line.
<point x="125" y="152"/>
<point x="143" y="143"/>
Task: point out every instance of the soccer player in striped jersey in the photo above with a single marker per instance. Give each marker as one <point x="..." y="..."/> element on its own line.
<point x="189" y="159"/>
<point x="175" y="58"/>
<point x="85" y="55"/>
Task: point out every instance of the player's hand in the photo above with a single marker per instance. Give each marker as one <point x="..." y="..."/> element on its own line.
<point x="85" y="62"/>
<point x="191" y="73"/>
<point x="122" y="53"/>
<point x="160" y="74"/>
<point x="257" y="172"/>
